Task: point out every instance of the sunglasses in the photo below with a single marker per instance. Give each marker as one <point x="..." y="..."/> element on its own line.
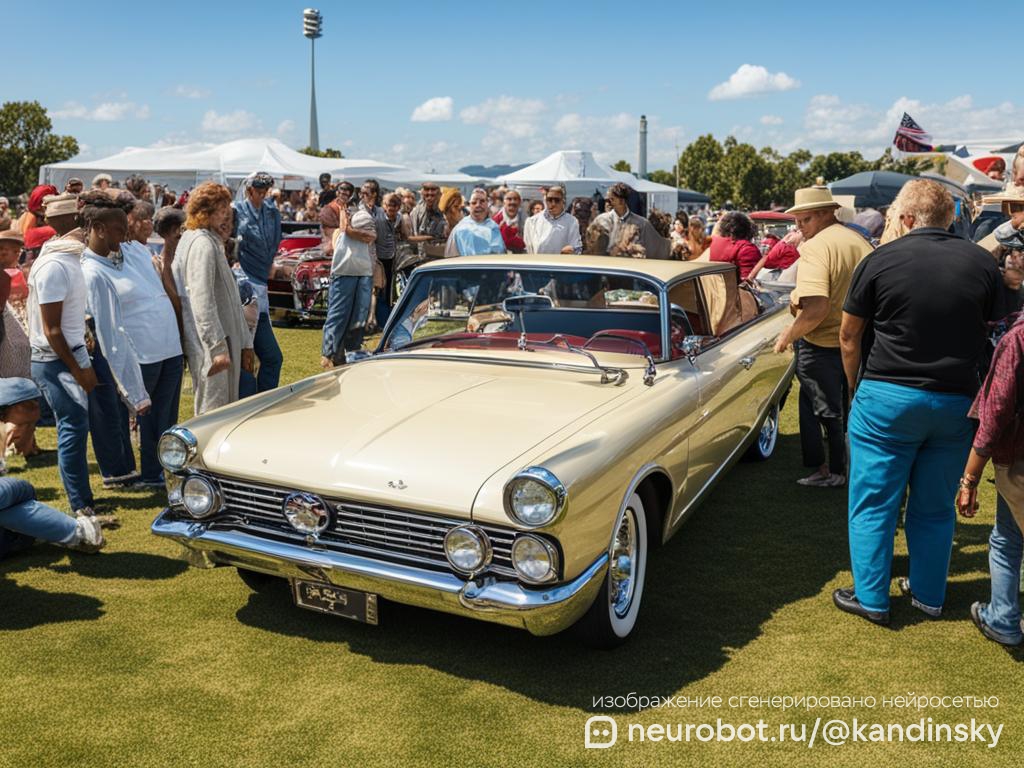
<point x="555" y="199"/>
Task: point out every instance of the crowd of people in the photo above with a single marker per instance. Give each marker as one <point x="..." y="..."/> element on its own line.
<point x="906" y="325"/>
<point x="890" y="307"/>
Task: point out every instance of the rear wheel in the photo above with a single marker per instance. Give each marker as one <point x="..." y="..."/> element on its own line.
<point x="767" y="437"/>
<point x="611" y="619"/>
<point x="258" y="582"/>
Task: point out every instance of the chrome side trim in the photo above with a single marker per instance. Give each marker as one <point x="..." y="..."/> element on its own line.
<point x="735" y="455"/>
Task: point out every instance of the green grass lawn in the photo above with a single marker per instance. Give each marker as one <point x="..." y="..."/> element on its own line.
<point x="129" y="658"/>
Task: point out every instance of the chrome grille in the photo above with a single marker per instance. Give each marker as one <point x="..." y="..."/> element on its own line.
<point x="360" y="528"/>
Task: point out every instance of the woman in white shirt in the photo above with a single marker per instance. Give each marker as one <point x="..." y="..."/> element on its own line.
<point x="136" y="329"/>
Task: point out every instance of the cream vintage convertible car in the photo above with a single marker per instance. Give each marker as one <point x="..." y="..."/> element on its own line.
<point x="529" y="428"/>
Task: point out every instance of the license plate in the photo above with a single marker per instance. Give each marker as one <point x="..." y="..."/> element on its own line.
<point x="337" y="601"/>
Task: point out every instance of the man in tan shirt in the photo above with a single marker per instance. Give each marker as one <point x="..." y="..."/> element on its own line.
<point x="828" y="256"/>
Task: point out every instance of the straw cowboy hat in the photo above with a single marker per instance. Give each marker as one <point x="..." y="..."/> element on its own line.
<point x="809" y="198"/>
<point x="1011" y="194"/>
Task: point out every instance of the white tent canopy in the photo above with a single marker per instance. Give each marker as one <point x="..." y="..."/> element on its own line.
<point x="182" y="167"/>
<point x="582" y="175"/>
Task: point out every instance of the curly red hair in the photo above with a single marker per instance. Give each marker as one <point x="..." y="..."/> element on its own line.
<point x="203" y="201"/>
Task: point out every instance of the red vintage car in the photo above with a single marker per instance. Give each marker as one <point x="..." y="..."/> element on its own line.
<point x="299" y="281"/>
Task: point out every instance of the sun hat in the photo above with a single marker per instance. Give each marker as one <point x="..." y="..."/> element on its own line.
<point x="1011" y="194"/>
<point x="102" y="177"/>
<point x="12" y="236"/>
<point x="448" y="194"/>
<point x="811" y="198"/>
<point x="61" y="205"/>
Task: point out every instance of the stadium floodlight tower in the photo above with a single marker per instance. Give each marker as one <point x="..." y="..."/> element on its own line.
<point x="312" y="27"/>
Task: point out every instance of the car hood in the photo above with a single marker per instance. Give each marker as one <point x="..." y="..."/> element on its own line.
<point x="420" y="434"/>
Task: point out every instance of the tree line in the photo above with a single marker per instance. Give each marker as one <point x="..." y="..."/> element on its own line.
<point x="758" y="179"/>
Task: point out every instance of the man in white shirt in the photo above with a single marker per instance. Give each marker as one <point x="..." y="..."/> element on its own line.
<point x="60" y="361"/>
<point x="553" y="230"/>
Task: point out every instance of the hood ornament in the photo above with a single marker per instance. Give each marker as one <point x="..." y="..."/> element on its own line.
<point x="398" y="486"/>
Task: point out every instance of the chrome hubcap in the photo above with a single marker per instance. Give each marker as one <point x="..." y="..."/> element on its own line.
<point x="623" y="564"/>
<point x="769" y="431"/>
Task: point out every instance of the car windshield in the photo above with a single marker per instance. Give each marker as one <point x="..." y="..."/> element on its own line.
<point x="467" y="309"/>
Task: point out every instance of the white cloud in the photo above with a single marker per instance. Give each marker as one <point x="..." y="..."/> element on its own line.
<point x="435" y="110"/>
<point x="514" y="126"/>
<point x="614" y="137"/>
<point x="191" y="92"/>
<point x="771" y="120"/>
<point x="285" y="128"/>
<point x="752" y="80"/>
<point x="107" y="112"/>
<point x="507" y="116"/>
<point x="230" y="123"/>
<point x="830" y="124"/>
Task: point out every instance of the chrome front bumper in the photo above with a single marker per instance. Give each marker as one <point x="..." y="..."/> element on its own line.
<point x="541" y="611"/>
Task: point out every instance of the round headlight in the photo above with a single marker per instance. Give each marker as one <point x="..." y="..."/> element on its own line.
<point x="176" y="449"/>
<point x="199" y="496"/>
<point x="467" y="548"/>
<point x="535" y="560"/>
<point x="534" y="497"/>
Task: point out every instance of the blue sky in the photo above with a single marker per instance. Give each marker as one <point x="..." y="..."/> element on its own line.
<point x="510" y="82"/>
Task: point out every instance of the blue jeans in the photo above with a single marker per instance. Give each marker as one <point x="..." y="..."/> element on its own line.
<point x="1005" y="549"/>
<point x="348" y="304"/>
<point x="247" y="386"/>
<point x="108" y="423"/>
<point x="163" y="383"/>
<point x="21" y="513"/>
<point x="264" y="345"/>
<point x="71" y="407"/>
<point x="898" y="436"/>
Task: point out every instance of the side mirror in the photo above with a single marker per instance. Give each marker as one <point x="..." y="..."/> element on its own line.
<point x="691" y="346"/>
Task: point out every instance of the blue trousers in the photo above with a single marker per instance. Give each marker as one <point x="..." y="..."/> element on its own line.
<point x="267" y="351"/>
<point x="21" y="513"/>
<point x="70" y="405"/>
<point x="163" y="383"/>
<point x="902" y="436"/>
<point x="348" y="304"/>
<point x="1005" y="550"/>
<point x="108" y="423"/>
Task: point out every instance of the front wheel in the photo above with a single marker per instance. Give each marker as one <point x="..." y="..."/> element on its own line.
<point x="611" y="619"/>
<point x="767" y="437"/>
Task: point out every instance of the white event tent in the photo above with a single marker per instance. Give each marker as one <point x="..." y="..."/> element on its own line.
<point x="582" y="175"/>
<point x="182" y="167"/>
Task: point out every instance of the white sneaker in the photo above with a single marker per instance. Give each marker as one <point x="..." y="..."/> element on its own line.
<point x="106" y="521"/>
<point x="88" y="536"/>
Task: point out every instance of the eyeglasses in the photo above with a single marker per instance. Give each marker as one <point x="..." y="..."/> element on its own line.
<point x="555" y="199"/>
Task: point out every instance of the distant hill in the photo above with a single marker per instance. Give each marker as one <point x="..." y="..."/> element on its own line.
<point x="491" y="171"/>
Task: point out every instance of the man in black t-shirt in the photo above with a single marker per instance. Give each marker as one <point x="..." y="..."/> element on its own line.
<point x="927" y="297"/>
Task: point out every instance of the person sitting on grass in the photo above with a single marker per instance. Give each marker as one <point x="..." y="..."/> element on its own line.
<point x="23" y="519"/>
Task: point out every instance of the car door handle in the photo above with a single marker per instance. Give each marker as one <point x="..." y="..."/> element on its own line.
<point x="747" y="362"/>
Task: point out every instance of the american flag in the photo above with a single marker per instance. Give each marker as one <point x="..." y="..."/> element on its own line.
<point x="911" y="137"/>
